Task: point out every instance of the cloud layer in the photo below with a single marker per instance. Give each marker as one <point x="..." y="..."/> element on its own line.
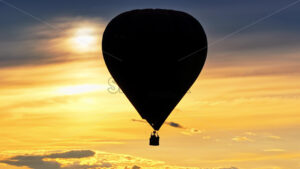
<point x="87" y="159"/>
<point x="42" y="161"/>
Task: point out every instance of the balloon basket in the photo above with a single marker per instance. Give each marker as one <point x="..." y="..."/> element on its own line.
<point x="154" y="139"/>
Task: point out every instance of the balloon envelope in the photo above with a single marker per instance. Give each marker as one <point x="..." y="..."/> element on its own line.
<point x="154" y="55"/>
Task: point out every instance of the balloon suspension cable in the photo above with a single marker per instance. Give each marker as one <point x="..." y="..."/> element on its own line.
<point x="154" y="139"/>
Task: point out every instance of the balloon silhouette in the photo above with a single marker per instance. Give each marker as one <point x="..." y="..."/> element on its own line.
<point x="154" y="55"/>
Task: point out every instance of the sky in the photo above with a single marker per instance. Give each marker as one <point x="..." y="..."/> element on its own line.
<point x="60" y="108"/>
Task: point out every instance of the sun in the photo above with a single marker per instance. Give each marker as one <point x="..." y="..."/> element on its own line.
<point x="84" y="39"/>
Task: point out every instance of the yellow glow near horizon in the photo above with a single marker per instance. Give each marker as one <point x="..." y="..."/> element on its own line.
<point x="84" y="39"/>
<point x="79" y="89"/>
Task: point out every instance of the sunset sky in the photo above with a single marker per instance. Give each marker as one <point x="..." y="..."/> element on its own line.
<point x="60" y="108"/>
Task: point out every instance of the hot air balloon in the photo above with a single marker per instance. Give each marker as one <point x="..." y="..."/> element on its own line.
<point x="154" y="55"/>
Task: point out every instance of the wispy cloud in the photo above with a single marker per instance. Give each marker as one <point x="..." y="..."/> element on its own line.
<point x="172" y="124"/>
<point x="249" y="133"/>
<point x="41" y="45"/>
<point x="273" y="137"/>
<point x="187" y="131"/>
<point x="136" y="120"/>
<point x="274" y="150"/>
<point x="242" y="139"/>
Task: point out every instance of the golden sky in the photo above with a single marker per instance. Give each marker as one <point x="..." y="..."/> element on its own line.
<point x="240" y="113"/>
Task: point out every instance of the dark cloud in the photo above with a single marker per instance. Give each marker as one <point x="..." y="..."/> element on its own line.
<point x="188" y="131"/>
<point x="30" y="59"/>
<point x="136" y="167"/>
<point x="290" y="69"/>
<point x="218" y="19"/>
<point x="172" y="124"/>
<point x="256" y="46"/>
<point x="72" y="154"/>
<point x="34" y="162"/>
<point x="37" y="161"/>
<point x="136" y="120"/>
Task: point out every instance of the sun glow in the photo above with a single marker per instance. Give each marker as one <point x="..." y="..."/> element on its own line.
<point x="84" y="39"/>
